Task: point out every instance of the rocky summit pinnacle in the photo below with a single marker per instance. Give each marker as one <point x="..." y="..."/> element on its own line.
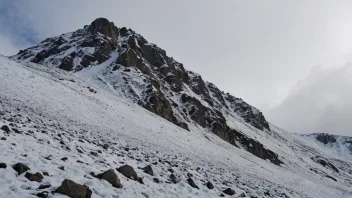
<point x="126" y="63"/>
<point x="105" y="27"/>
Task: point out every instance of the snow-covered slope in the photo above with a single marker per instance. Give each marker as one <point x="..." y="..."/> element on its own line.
<point x="104" y="96"/>
<point x="53" y="114"/>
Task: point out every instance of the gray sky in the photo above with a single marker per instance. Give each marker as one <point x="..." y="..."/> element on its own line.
<point x="257" y="50"/>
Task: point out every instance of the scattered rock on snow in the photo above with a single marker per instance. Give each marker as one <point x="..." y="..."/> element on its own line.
<point x="149" y="170"/>
<point x="74" y="190"/>
<point x="5" y="128"/>
<point x="3" y="165"/>
<point x="210" y="185"/>
<point x="34" y="177"/>
<point x="44" y="186"/>
<point x="229" y="191"/>
<point x="43" y="194"/>
<point x="3" y="138"/>
<point x="191" y="183"/>
<point x="128" y="172"/>
<point x="20" y="168"/>
<point x="173" y="178"/>
<point x="156" y="180"/>
<point x="111" y="177"/>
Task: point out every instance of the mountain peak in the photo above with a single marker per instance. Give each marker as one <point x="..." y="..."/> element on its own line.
<point x="105" y="27"/>
<point x="127" y="64"/>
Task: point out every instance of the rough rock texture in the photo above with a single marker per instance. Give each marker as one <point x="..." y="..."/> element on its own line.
<point x="74" y="190"/>
<point x="144" y="73"/>
<point x="20" y="168"/>
<point x="229" y="191"/>
<point x="130" y="173"/>
<point x="34" y="177"/>
<point x="111" y="177"/>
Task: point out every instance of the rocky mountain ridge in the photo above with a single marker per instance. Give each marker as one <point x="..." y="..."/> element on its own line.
<point x="143" y="73"/>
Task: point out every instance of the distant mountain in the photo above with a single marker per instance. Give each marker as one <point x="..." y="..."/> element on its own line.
<point x="130" y="66"/>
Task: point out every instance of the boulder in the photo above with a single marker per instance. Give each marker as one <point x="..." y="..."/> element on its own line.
<point x="173" y="178"/>
<point x="210" y="185"/>
<point x="74" y="190"/>
<point x="229" y="191"/>
<point x="149" y="170"/>
<point x="111" y="177"/>
<point x="20" y="168"/>
<point x="34" y="177"/>
<point x="5" y="128"/>
<point x="128" y="172"/>
<point x="191" y="183"/>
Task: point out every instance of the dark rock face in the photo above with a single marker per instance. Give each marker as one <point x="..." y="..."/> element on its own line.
<point x="20" y="168"/>
<point x="104" y="27"/>
<point x="164" y="86"/>
<point x="257" y="148"/>
<point x="229" y="191"/>
<point x="34" y="177"/>
<point x="325" y="138"/>
<point x="111" y="177"/>
<point x="326" y="163"/>
<point x="74" y="190"/>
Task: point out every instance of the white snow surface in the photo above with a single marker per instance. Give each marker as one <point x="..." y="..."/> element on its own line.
<point x="57" y="114"/>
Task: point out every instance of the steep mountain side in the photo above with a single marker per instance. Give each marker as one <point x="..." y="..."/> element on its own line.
<point x="64" y="127"/>
<point x="127" y="64"/>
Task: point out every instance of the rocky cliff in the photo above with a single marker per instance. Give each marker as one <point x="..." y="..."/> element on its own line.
<point x="144" y="74"/>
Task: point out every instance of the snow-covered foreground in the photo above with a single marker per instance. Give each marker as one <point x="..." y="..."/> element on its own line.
<point x="57" y="115"/>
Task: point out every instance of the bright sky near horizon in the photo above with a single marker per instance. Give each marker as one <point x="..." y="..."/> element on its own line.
<point x="261" y="51"/>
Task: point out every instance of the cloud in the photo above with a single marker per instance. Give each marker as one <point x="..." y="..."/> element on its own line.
<point x="322" y="102"/>
<point x="17" y="32"/>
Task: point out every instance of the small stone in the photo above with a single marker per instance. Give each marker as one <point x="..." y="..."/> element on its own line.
<point x="192" y="183"/>
<point x="173" y="178"/>
<point x="3" y="138"/>
<point x="43" y="194"/>
<point x="46" y="173"/>
<point x="229" y="191"/>
<point x="43" y="186"/>
<point x="62" y="167"/>
<point x="105" y="146"/>
<point x="94" y="153"/>
<point x="210" y="185"/>
<point x="149" y="170"/>
<point x="156" y="180"/>
<point x="64" y="158"/>
<point x="3" y="165"/>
